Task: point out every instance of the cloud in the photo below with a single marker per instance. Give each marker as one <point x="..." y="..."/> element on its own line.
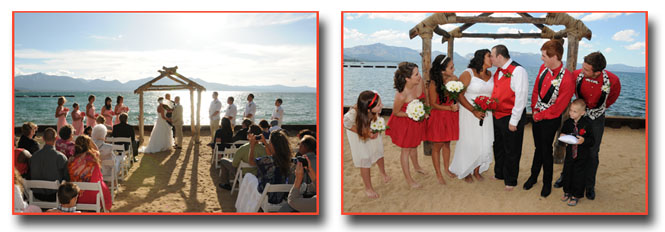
<point x="585" y="44"/>
<point x="227" y="63"/>
<point x="600" y="16"/>
<point x="390" y="35"/>
<point x="625" y="35"/>
<point x="402" y="17"/>
<point x="636" y="46"/>
<point x="101" y="37"/>
<point x="510" y="30"/>
<point x="608" y="50"/>
<point x="353" y="34"/>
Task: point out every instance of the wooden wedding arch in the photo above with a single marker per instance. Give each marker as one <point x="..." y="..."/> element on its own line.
<point x="574" y="31"/>
<point x="182" y="83"/>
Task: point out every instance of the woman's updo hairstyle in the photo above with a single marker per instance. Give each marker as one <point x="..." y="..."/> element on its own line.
<point x="404" y="70"/>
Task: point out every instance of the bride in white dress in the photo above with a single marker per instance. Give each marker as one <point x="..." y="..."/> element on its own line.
<point x="473" y="151"/>
<point x="161" y="137"/>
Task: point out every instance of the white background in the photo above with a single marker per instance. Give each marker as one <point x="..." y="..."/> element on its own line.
<point x="330" y="113"/>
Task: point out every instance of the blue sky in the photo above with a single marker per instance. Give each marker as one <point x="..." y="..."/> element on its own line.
<point x="229" y="48"/>
<point x="621" y="37"/>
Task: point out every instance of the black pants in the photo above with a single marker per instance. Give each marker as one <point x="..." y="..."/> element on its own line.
<point x="508" y="149"/>
<point x="543" y="136"/>
<point x="574" y="175"/>
<point x="598" y="127"/>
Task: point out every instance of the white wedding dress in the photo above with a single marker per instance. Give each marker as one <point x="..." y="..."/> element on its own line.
<point x="474" y="147"/>
<point x="161" y="137"/>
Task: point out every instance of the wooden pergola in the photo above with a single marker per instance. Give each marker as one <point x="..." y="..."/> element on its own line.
<point x="574" y="30"/>
<point x="183" y="83"/>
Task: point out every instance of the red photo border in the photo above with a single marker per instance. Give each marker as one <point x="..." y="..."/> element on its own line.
<point x="202" y="213"/>
<point x="646" y="212"/>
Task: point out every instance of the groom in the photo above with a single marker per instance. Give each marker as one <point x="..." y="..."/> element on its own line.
<point x="169" y="112"/>
<point x="177" y="123"/>
<point x="511" y="91"/>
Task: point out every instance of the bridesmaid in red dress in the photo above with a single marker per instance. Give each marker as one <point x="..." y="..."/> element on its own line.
<point x="443" y="122"/>
<point x="404" y="131"/>
<point x="90" y="112"/>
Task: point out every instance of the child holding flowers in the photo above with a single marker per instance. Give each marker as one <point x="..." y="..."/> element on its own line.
<point x="443" y="123"/>
<point x="406" y="124"/>
<point x="364" y="126"/>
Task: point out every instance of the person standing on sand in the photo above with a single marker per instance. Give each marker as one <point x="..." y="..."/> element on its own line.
<point x="177" y="123"/>
<point x="250" y="108"/>
<point x="213" y="113"/>
<point x="600" y="89"/>
<point x="511" y="92"/>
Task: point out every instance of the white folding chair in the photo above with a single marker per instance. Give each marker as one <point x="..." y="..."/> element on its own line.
<point x="239" y="175"/>
<point x="119" y="150"/>
<point x="41" y="184"/>
<point x="113" y="177"/>
<point x="99" y="198"/>
<point x="272" y="188"/>
<point x="226" y="153"/>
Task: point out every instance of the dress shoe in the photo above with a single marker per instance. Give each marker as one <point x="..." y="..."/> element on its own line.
<point x="136" y="160"/>
<point x="545" y="191"/>
<point x="558" y="183"/>
<point x="225" y="186"/>
<point x="528" y="184"/>
<point x="590" y="194"/>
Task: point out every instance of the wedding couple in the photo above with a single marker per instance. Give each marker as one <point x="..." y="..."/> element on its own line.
<point x="503" y="130"/>
<point x="168" y="126"/>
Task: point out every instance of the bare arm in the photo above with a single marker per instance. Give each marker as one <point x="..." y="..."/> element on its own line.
<point x="397" y="105"/>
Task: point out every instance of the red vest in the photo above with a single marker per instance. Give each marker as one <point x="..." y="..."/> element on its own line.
<point x="503" y="93"/>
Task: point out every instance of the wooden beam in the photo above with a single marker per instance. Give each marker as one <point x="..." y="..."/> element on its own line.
<point x="176" y="80"/>
<point x="451" y="44"/>
<point x="148" y="84"/>
<point x="198" y="118"/>
<point x="192" y="83"/>
<point x="141" y="116"/>
<point x="440" y="31"/>
<point x="487" y="19"/>
<point x="502" y="35"/>
<point x="191" y="112"/>
<point x="467" y="25"/>
<point x="527" y="15"/>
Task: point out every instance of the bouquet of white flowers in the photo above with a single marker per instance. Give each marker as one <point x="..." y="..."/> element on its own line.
<point x="378" y="125"/>
<point x="417" y="110"/>
<point x="454" y="88"/>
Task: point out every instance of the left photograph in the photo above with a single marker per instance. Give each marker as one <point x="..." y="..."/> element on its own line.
<point x="184" y="113"/>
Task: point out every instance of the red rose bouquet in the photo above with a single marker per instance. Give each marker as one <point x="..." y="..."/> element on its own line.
<point x="484" y="104"/>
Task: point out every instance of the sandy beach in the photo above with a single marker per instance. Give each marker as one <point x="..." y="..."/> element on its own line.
<point x="620" y="184"/>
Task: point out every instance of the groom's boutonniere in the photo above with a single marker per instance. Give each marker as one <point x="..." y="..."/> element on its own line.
<point x="508" y="75"/>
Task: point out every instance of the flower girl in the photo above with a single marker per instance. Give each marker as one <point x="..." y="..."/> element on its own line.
<point x="364" y="126"/>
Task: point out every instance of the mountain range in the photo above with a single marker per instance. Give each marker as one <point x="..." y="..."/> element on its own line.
<point x="45" y="82"/>
<point x="379" y="52"/>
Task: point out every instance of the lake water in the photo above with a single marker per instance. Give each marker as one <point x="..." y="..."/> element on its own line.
<point x="631" y="102"/>
<point x="299" y="108"/>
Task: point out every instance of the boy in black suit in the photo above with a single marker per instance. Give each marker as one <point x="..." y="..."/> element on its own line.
<point x="574" y="164"/>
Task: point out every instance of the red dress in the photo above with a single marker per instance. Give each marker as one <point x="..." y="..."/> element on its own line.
<point x="443" y="125"/>
<point x="404" y="131"/>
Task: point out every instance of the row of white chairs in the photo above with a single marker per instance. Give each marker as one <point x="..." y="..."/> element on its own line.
<point x="228" y="154"/>
<point x="126" y="162"/>
<point x="54" y="185"/>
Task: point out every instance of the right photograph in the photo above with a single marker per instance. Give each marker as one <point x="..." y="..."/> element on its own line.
<point x="495" y="113"/>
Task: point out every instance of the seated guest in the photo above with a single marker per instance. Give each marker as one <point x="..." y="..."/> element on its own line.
<point x="85" y="166"/>
<point x="242" y="133"/>
<point x="87" y="131"/>
<point x="242" y="155"/>
<point x="274" y="126"/>
<point x="307" y="148"/>
<point x="20" y="198"/>
<point x="274" y="168"/>
<point x="27" y="141"/>
<point x="65" y="143"/>
<point x="48" y="164"/>
<point x="124" y="130"/>
<point x="224" y="134"/>
<point x="295" y="198"/>
<point x="265" y="127"/>
<point x="22" y="161"/>
<point x="68" y="194"/>
<point x="105" y="150"/>
<point x="304" y="132"/>
<point x="101" y="120"/>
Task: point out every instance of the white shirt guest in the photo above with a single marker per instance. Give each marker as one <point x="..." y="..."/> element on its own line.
<point x="278" y="113"/>
<point x="231" y="111"/>
<point x="250" y="108"/>
<point x="214" y="113"/>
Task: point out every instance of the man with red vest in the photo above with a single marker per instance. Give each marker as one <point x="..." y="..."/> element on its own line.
<point x="600" y="89"/>
<point x="511" y="92"/>
<point x="551" y="95"/>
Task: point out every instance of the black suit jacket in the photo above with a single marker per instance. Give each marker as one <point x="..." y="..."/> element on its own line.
<point x="124" y="130"/>
<point x="584" y="149"/>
